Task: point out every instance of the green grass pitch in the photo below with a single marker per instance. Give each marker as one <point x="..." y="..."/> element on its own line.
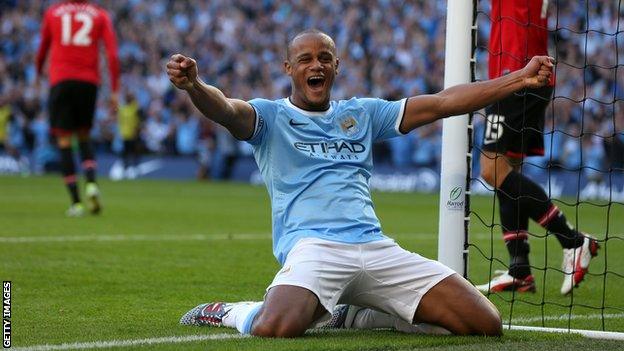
<point x="162" y="247"/>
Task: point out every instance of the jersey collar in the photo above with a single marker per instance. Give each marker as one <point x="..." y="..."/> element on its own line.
<point x="309" y="113"/>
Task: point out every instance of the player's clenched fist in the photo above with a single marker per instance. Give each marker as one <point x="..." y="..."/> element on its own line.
<point x="538" y="71"/>
<point x="182" y="71"/>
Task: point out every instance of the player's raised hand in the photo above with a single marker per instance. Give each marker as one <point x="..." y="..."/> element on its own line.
<point x="182" y="71"/>
<point x="538" y="71"/>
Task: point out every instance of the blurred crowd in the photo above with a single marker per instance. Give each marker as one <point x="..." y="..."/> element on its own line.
<point x="388" y="48"/>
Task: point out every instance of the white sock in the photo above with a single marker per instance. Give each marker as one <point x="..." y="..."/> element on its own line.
<point x="372" y="319"/>
<point x="365" y="318"/>
<point x="239" y="313"/>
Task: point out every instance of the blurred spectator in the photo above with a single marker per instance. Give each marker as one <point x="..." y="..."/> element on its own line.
<point x="224" y="155"/>
<point x="593" y="158"/>
<point x="45" y="155"/>
<point x="157" y="132"/>
<point x="129" y="119"/>
<point x="428" y="145"/>
<point x="613" y="133"/>
<point x="28" y="105"/>
<point x="10" y="134"/>
<point x="571" y="149"/>
<point x="205" y="147"/>
<point x="187" y="133"/>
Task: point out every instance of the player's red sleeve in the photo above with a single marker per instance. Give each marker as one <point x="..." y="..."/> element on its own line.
<point x="46" y="39"/>
<point x="110" y="42"/>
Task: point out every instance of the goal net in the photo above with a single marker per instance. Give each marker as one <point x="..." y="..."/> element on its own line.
<point x="581" y="171"/>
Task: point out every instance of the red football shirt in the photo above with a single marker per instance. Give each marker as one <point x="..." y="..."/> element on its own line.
<point x="519" y="31"/>
<point x="72" y="32"/>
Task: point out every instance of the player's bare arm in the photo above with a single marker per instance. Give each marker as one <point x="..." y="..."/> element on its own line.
<point x="236" y="115"/>
<point x="465" y="98"/>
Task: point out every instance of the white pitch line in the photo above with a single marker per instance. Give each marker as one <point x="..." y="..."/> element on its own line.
<point x="565" y="317"/>
<point x="592" y="334"/>
<point x="128" y="343"/>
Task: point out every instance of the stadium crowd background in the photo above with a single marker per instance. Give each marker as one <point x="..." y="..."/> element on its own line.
<point x="388" y="48"/>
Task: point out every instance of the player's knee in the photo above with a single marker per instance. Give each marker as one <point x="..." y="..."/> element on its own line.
<point x="492" y="325"/>
<point x="263" y="330"/>
<point x="489" y="322"/>
<point x="275" y="326"/>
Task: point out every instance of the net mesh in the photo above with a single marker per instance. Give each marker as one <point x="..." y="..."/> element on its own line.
<point x="582" y="171"/>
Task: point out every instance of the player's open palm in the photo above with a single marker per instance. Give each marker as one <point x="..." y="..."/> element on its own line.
<point x="182" y="71"/>
<point x="538" y="71"/>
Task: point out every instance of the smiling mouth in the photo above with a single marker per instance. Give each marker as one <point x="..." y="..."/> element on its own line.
<point x="316" y="82"/>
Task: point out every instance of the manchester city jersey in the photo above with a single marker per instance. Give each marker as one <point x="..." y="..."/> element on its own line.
<point x="317" y="167"/>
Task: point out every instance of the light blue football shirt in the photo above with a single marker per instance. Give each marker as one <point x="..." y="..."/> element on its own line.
<point x="317" y="166"/>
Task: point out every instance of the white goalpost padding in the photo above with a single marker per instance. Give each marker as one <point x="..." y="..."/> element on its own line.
<point x="454" y="168"/>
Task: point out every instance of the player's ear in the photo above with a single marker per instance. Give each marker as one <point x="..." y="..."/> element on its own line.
<point x="337" y="63"/>
<point x="287" y="67"/>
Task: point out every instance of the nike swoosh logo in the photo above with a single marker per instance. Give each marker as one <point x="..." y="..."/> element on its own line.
<point x="296" y="124"/>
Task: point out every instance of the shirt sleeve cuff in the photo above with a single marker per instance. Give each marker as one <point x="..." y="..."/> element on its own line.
<point x="399" y="118"/>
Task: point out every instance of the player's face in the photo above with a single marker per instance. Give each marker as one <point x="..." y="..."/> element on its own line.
<point x="312" y="66"/>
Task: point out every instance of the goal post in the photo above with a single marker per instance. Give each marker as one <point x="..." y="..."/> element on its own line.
<point x="454" y="164"/>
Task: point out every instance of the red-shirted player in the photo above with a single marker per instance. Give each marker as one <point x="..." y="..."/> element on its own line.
<point x="514" y="130"/>
<point x="71" y="32"/>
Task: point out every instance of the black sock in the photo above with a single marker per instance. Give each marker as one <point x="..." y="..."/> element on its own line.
<point x="515" y="224"/>
<point x="519" y="266"/>
<point x="512" y="216"/>
<point x="518" y="247"/>
<point x="536" y="204"/>
<point x="68" y="170"/>
<point x="88" y="161"/>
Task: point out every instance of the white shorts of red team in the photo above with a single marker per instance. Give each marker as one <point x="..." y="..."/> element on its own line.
<point x="379" y="274"/>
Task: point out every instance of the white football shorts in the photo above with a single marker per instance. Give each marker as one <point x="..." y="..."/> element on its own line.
<point x="379" y="274"/>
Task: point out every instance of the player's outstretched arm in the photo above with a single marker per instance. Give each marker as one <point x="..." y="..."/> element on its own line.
<point x="236" y="115"/>
<point x="465" y="98"/>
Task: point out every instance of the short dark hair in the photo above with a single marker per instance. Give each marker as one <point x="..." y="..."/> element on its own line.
<point x="306" y="32"/>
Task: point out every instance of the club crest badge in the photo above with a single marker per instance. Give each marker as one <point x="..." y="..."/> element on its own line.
<point x="348" y="125"/>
